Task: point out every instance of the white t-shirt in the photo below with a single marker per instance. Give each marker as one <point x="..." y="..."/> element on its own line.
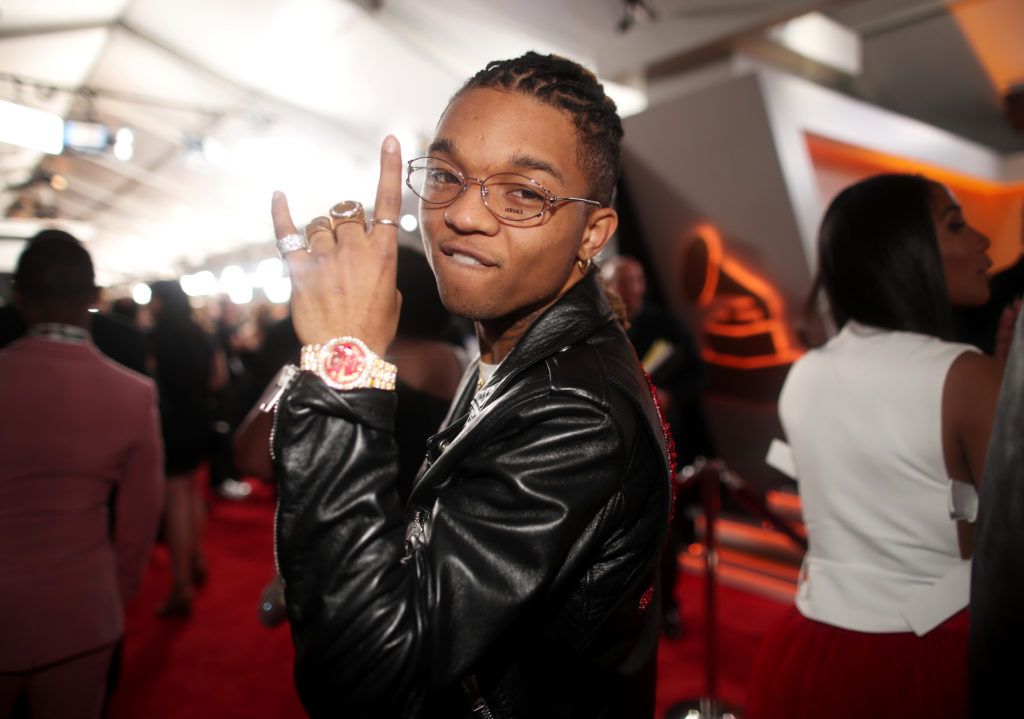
<point x="863" y="415"/>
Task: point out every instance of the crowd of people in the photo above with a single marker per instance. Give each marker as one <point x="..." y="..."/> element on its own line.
<point x="490" y="533"/>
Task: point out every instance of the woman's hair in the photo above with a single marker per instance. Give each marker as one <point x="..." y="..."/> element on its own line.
<point x="878" y="257"/>
<point x="571" y="88"/>
<point x="174" y="306"/>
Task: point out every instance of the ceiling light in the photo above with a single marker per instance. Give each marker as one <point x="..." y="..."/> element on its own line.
<point x="30" y="128"/>
<point x="124" y="144"/>
<point x="203" y="153"/>
<point x="142" y="294"/>
<point x="87" y="138"/>
<point x="820" y="38"/>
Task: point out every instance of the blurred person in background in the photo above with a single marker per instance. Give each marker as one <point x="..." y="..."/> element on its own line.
<point x="188" y="371"/>
<point x="80" y="490"/>
<point x="113" y="333"/>
<point x="985" y="327"/>
<point x="669" y="353"/>
<point x="889" y="423"/>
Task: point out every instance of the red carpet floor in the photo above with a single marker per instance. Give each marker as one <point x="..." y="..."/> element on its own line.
<point x="222" y="663"/>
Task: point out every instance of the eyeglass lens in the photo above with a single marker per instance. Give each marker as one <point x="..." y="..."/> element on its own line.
<point x="508" y="195"/>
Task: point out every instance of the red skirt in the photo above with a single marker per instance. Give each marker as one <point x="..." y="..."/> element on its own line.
<point x="808" y="670"/>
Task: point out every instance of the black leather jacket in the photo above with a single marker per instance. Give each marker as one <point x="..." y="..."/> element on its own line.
<point x="524" y="562"/>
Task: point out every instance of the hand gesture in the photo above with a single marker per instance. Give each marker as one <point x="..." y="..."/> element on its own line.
<point x="345" y="284"/>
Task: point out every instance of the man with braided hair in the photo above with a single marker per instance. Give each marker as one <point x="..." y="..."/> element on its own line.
<point x="519" y="578"/>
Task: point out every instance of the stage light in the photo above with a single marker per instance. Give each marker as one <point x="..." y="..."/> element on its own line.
<point x="203" y="283"/>
<point x="124" y="144"/>
<point x="87" y="138"/>
<point x="142" y="294"/>
<point x="241" y="293"/>
<point x="279" y="290"/>
<point x="231" y="277"/>
<point x="409" y="223"/>
<point x="267" y="271"/>
<point x="203" y="153"/>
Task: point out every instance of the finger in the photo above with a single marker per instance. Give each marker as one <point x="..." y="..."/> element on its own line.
<point x="283" y="228"/>
<point x="388" y="204"/>
<point x="281" y="215"/>
<point x="320" y="235"/>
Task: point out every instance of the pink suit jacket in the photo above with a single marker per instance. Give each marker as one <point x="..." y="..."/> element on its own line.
<point x="74" y="426"/>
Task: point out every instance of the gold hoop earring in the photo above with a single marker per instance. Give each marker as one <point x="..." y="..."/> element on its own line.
<point x="584" y="265"/>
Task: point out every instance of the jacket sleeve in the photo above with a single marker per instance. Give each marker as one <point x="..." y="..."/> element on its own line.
<point x="376" y="631"/>
<point x="140" y="496"/>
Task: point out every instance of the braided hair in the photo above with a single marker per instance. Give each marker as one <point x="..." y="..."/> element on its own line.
<point x="568" y="86"/>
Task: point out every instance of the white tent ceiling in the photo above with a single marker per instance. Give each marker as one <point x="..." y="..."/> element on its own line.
<point x="297" y="94"/>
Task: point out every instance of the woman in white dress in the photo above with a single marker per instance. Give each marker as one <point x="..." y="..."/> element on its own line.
<point x="889" y="422"/>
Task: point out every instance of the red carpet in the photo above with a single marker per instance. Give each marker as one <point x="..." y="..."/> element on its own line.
<point x="222" y="663"/>
<point x="743" y="618"/>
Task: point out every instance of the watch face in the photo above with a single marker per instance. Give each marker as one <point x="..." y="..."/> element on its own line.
<point x="345" y="364"/>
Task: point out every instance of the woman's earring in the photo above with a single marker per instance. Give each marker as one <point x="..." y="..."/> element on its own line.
<point x="584" y="265"/>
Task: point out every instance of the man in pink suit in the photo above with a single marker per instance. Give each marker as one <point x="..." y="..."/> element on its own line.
<point x="75" y="427"/>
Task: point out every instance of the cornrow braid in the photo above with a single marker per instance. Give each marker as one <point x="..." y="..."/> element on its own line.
<point x="568" y="86"/>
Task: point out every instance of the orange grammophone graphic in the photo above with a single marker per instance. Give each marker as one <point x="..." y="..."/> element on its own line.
<point x="744" y="322"/>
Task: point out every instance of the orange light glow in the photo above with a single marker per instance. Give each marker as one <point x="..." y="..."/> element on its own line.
<point x="713" y="241"/>
<point x="753" y="362"/>
<point x="994" y="208"/>
<point x="858" y="159"/>
<point x="993" y="29"/>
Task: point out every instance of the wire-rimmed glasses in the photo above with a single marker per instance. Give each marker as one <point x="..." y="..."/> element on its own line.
<point x="509" y="196"/>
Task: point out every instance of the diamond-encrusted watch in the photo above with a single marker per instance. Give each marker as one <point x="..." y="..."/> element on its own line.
<point x="347" y="363"/>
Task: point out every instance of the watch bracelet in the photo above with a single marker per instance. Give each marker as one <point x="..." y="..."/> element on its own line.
<point x="382" y="373"/>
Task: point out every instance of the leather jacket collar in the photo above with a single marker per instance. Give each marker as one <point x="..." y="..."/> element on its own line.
<point x="577" y="315"/>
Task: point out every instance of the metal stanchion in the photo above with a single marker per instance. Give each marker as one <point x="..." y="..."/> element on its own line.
<point x="711" y="501"/>
<point x="710" y="474"/>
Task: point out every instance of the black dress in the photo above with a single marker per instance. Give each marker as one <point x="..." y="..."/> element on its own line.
<point x="183" y="356"/>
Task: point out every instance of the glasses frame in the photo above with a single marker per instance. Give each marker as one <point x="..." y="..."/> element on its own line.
<point x="551" y="200"/>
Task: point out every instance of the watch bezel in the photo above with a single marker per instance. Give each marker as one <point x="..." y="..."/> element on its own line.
<point x="354" y="380"/>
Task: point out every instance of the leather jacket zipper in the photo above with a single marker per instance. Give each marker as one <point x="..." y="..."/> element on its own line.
<point x="478" y="706"/>
<point x="277" y="495"/>
<point x="268" y="403"/>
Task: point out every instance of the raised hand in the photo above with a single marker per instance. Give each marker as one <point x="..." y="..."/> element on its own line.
<point x="345" y="284"/>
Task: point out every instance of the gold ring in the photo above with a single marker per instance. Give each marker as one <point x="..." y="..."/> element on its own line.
<point x="348" y="211"/>
<point x="318" y="224"/>
<point x="383" y="221"/>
